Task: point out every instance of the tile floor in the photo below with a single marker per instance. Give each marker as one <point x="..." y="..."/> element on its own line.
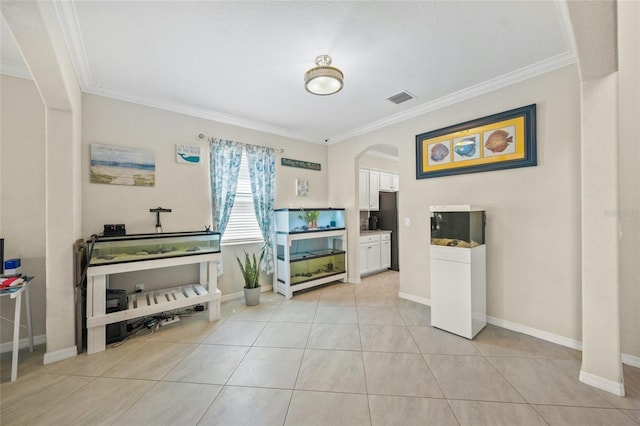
<point x="339" y="355"/>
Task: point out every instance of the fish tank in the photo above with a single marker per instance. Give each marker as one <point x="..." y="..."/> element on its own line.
<point x="291" y="221"/>
<point x="138" y="247"/>
<point x="457" y="226"/>
<point x="314" y="264"/>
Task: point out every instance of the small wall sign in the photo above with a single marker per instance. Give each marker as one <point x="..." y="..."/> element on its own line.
<point x="187" y="154"/>
<point x="300" y="164"/>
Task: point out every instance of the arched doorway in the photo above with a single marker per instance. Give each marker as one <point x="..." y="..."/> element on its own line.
<point x="378" y="194"/>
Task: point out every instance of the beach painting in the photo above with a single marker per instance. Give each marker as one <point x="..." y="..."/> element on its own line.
<point x="119" y="165"/>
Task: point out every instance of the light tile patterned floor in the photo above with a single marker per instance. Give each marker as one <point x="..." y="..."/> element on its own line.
<point x="339" y="355"/>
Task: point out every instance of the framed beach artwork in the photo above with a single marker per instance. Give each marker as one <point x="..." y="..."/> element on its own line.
<point x="119" y="165"/>
<point x="501" y="141"/>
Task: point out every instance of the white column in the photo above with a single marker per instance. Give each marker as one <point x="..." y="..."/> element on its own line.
<point x="601" y="362"/>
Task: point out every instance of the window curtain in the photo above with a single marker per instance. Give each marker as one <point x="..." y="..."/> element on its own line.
<point x="224" y="162"/>
<point x="262" y="173"/>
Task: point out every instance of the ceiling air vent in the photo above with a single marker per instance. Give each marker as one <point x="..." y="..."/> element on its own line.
<point x="400" y="97"/>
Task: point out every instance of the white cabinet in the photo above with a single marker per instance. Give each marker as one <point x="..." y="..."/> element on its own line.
<point x="369" y="186"/>
<point x="369" y="254"/>
<point x="458" y="289"/>
<point x="389" y="182"/>
<point x="375" y="252"/>
<point x="385" y="251"/>
<point x="374" y="188"/>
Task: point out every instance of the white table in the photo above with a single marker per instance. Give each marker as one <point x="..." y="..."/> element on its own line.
<point x="16" y="293"/>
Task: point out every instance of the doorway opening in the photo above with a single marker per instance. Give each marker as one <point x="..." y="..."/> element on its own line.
<point x="378" y="197"/>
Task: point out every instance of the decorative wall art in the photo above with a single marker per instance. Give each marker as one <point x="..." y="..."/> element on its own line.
<point x="187" y="154"/>
<point x="119" y="165"/>
<point x="302" y="187"/>
<point x="289" y="162"/>
<point x="501" y="141"/>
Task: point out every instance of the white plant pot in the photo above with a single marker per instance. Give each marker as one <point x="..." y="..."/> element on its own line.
<point x="252" y="296"/>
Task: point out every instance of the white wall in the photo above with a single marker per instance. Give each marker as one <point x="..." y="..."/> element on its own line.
<point x="22" y="194"/>
<point x="183" y="188"/>
<point x="533" y="214"/>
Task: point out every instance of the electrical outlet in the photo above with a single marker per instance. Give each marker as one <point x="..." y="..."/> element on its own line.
<point x="139" y="287"/>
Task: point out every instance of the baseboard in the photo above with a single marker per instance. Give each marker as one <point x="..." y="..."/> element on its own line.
<point x="534" y="332"/>
<point x="23" y="343"/>
<point x="240" y="294"/>
<point x="631" y="360"/>
<point x="413" y="298"/>
<point x="59" y="355"/>
<point x="610" y="386"/>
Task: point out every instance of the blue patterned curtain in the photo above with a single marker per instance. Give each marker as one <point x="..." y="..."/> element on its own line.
<point x="262" y="172"/>
<point x="224" y="161"/>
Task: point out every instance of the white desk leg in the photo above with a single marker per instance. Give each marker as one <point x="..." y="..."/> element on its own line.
<point x="27" y="301"/>
<point x="16" y="337"/>
<point x="209" y="279"/>
<point x="96" y="306"/>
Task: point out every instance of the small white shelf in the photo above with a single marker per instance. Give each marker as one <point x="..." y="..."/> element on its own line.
<point x="152" y="302"/>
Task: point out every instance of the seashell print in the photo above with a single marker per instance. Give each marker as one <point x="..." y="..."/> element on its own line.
<point x="466" y="147"/>
<point x="439" y="152"/>
<point x="498" y="141"/>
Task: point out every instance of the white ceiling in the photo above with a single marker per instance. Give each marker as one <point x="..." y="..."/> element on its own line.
<point x="243" y="62"/>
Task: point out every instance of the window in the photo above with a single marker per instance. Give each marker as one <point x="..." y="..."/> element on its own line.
<point x="243" y="226"/>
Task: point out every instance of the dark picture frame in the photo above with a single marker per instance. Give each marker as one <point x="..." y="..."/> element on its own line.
<point x="500" y="141"/>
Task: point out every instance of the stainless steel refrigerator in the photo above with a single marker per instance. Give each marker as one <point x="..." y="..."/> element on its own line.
<point x="388" y="220"/>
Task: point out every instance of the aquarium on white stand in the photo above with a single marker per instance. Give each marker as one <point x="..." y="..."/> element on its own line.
<point x="458" y="269"/>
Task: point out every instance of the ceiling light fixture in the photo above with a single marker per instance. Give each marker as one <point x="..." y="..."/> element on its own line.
<point x="323" y="79"/>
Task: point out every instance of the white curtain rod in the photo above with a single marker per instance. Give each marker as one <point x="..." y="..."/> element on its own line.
<point x="279" y="150"/>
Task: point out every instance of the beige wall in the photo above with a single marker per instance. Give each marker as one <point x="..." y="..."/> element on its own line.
<point x="533" y="225"/>
<point x="629" y="214"/>
<point x="377" y="163"/>
<point x="183" y="188"/>
<point x="22" y="189"/>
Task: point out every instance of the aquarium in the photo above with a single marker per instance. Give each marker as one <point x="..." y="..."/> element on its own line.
<point x="457" y="226"/>
<point x="138" y="247"/>
<point x="311" y="265"/>
<point x="309" y="220"/>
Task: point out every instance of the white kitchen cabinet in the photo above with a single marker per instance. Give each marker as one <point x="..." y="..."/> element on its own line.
<point x="363" y="191"/>
<point x="369" y="186"/>
<point x="374" y="188"/>
<point x="385" y="251"/>
<point x="375" y="252"/>
<point x="395" y="183"/>
<point x="389" y="182"/>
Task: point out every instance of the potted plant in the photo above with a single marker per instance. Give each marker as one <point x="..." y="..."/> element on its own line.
<point x="311" y="218"/>
<point x="251" y="273"/>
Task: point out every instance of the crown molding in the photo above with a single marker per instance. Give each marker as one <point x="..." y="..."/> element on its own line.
<point x="200" y="113"/>
<point x="526" y="73"/>
<point x="68" y="18"/>
<point x="15" y="71"/>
